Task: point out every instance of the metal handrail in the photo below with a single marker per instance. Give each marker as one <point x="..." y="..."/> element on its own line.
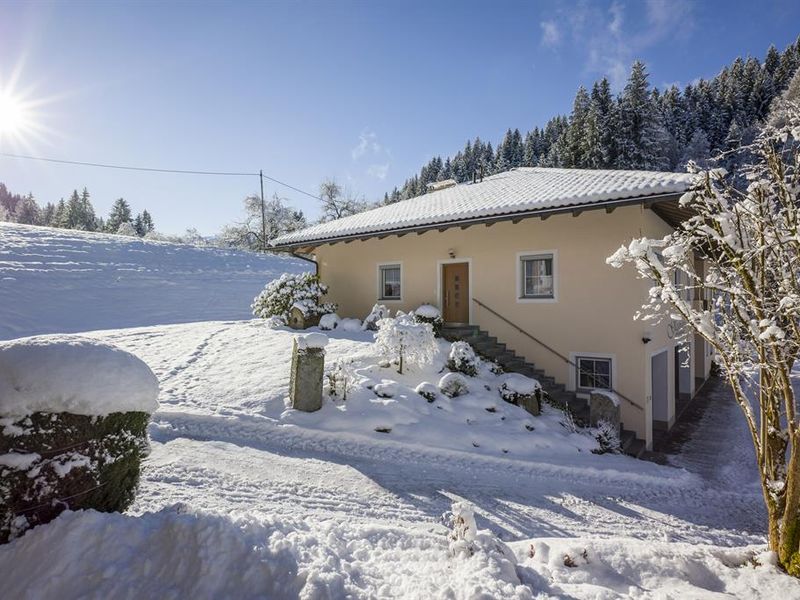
<point x="550" y="349"/>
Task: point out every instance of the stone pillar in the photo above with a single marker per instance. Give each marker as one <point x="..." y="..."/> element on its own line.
<point x="530" y="402"/>
<point x="308" y="367"/>
<point x="603" y="406"/>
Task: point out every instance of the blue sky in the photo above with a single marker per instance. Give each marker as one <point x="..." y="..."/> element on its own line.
<point x="361" y="91"/>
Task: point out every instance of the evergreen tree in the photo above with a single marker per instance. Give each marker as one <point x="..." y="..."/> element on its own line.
<point x="138" y="226"/>
<point x="147" y="222"/>
<point x="639" y="123"/>
<point x="61" y="217"/>
<point x="48" y="214"/>
<point x="120" y="213"/>
<point x="28" y="211"/>
<point x="574" y="143"/>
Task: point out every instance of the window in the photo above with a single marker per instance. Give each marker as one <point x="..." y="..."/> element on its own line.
<point x="537" y="276"/>
<point x="594" y="373"/>
<point x="390" y="282"/>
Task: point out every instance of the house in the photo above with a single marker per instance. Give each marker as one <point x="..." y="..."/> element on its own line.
<point x="521" y="256"/>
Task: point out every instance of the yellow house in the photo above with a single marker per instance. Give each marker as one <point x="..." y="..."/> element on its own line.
<point x="517" y="265"/>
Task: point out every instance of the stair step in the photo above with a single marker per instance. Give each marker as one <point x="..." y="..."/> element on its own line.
<point x="636" y="448"/>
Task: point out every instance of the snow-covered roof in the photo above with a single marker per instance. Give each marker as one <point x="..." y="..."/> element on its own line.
<point x="521" y="190"/>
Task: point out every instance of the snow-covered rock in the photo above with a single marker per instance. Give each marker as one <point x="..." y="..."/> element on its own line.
<point x="520" y="384"/>
<point x="63" y="373"/>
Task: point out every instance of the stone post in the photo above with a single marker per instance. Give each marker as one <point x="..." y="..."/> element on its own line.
<point x="308" y="368"/>
<point x="603" y="406"/>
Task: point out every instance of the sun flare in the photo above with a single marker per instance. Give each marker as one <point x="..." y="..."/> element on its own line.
<point x="15" y="117"/>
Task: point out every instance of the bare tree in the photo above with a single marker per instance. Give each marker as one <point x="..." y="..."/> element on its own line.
<point x="338" y="202"/>
<point x="260" y="227"/>
<point x="743" y="297"/>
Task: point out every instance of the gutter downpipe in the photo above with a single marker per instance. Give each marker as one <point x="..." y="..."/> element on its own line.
<point x="305" y="258"/>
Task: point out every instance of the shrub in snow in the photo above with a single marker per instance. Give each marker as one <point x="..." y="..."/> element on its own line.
<point x="126" y="228"/>
<point x="405" y="341"/>
<point x="463" y="529"/>
<point x="378" y="312"/>
<point x="385" y="389"/>
<point x="427" y="390"/>
<point x="329" y="321"/>
<point x="462" y="358"/>
<point x="74" y="416"/>
<point x="341" y="378"/>
<point x="350" y="325"/>
<point x="453" y="384"/>
<point x="301" y="291"/>
<point x="607" y="436"/>
<point x="427" y="313"/>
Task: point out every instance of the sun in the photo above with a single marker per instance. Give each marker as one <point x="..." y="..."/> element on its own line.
<point x="15" y="117"/>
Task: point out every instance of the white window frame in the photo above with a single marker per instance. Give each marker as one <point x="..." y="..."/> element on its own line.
<point x="521" y="299"/>
<point x="572" y="381"/>
<point x="379" y="275"/>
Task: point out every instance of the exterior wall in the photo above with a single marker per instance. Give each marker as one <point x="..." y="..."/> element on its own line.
<point x="594" y="306"/>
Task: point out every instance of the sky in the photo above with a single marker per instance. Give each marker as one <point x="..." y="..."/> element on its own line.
<point x="364" y="92"/>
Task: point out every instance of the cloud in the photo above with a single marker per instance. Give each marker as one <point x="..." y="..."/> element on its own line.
<point x="610" y="40"/>
<point x="367" y="144"/>
<point x="378" y="171"/>
<point x="369" y="150"/>
<point x="551" y="34"/>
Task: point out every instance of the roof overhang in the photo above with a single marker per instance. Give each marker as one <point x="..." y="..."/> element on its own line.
<point x="664" y="205"/>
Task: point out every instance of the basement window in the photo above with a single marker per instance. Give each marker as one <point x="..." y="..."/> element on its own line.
<point x="593" y="373"/>
<point x="390" y="281"/>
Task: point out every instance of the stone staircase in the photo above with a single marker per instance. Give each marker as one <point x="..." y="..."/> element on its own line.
<point x="491" y="348"/>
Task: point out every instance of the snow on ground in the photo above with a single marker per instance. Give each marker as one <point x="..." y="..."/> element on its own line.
<point x="63" y="281"/>
<point x="242" y="497"/>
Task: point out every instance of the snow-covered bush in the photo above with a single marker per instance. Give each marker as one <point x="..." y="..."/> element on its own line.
<point x="463" y="529"/>
<point x="427" y="390"/>
<point x="453" y="384"/>
<point x="405" y="341"/>
<point x="462" y="358"/>
<point x="341" y="378"/>
<point x="427" y="313"/>
<point x="74" y="416"/>
<point x="385" y="389"/>
<point x="329" y="321"/>
<point x="302" y="291"/>
<point x="607" y="436"/>
<point x="350" y="325"/>
<point x="126" y="228"/>
<point x="378" y="312"/>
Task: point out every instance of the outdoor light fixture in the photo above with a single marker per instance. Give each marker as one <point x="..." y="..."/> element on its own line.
<point x="451" y="253"/>
<point x="646" y="337"/>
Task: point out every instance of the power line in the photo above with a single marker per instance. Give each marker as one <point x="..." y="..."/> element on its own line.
<point x="156" y="170"/>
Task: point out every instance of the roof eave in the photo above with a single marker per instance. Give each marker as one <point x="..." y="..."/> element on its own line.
<point x="543" y="213"/>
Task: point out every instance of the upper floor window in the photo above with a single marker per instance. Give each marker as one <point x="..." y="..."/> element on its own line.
<point x="390" y="283"/>
<point x="537" y="277"/>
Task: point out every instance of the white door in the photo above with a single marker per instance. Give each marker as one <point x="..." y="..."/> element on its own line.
<point x="659" y="382"/>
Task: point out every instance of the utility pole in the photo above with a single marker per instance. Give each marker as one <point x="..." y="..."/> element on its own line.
<point x="263" y="214"/>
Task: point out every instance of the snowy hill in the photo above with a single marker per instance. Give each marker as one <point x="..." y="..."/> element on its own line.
<point x="62" y="281"/>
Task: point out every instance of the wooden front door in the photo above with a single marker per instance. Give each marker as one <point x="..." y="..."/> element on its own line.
<point x="455" y="277"/>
